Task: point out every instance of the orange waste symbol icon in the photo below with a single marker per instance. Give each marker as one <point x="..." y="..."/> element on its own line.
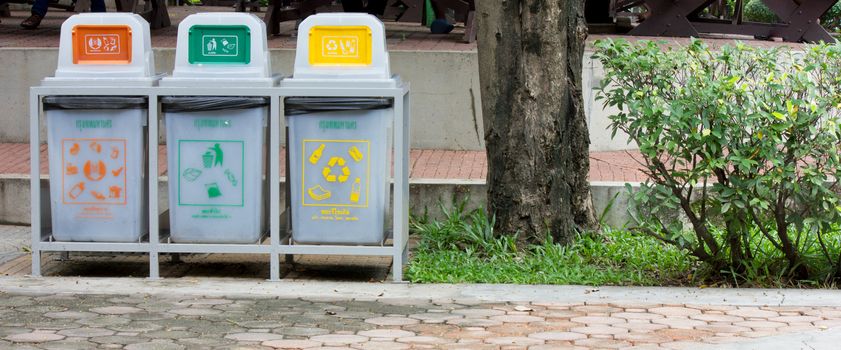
<point x="98" y="196"/>
<point x="117" y="172"/>
<point x="115" y="152"/>
<point x="94" y="172"/>
<point x="74" y="150"/>
<point x="77" y="190"/>
<point x="72" y="169"/>
<point x="95" y="147"/>
<point x="115" y="191"/>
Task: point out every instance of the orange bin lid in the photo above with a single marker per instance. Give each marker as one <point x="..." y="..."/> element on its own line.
<point x="101" y="44"/>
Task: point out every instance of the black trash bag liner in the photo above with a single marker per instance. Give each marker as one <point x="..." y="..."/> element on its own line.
<point x="305" y="105"/>
<point x="95" y="102"/>
<point x="210" y="103"/>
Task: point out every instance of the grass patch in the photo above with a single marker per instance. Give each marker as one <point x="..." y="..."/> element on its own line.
<point x="463" y="249"/>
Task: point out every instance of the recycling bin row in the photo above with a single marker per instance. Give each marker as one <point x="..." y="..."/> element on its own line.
<point x="216" y="145"/>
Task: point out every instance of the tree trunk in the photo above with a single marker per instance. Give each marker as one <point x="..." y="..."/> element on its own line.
<point x="530" y="56"/>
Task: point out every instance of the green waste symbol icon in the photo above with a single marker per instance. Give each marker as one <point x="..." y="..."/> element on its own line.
<point x="213" y="157"/>
<point x="213" y="190"/>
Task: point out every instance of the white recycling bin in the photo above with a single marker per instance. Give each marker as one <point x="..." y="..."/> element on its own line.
<point x="216" y="167"/>
<point x="215" y="144"/>
<point x="96" y="144"/>
<point x="339" y="147"/>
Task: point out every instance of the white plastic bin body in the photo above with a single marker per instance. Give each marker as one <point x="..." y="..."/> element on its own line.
<point x="97" y="174"/>
<point x="216" y="166"/>
<point x="338" y="172"/>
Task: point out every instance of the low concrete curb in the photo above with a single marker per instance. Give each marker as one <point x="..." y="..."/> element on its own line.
<point x="429" y="196"/>
<point x="214" y="287"/>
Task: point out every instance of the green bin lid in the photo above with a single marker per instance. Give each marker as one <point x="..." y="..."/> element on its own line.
<point x="219" y="44"/>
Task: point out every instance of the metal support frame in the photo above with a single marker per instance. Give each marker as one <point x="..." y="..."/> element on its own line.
<point x="277" y="245"/>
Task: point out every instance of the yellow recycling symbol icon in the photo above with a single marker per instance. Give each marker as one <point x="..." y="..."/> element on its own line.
<point x="336" y="162"/>
<point x="336" y="170"/>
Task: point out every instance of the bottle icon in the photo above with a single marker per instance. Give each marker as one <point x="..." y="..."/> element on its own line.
<point x="316" y="155"/>
<point x="77" y="190"/>
<point x="355" y="190"/>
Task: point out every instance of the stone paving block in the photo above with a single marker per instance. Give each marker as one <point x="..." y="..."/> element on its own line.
<point x="517" y="318"/>
<point x="154" y="346"/>
<point x="603" y="343"/>
<point x="479" y="313"/>
<point x="68" y="345"/>
<point x="86" y="332"/>
<point x="636" y="315"/>
<point x="599" y="329"/>
<point x="760" y="324"/>
<point x="291" y="344"/>
<point x="33" y="337"/>
<point x="596" y="310"/>
<point x="422" y="340"/>
<point x="521" y="341"/>
<point x="795" y="319"/>
<point x="675" y="311"/>
<point x="594" y="320"/>
<point x="386" y="333"/>
<point x="116" y="310"/>
<point x="678" y="323"/>
<point x="561" y="336"/>
<point x="331" y="339"/>
<point x="253" y="337"/>
<point x="195" y="312"/>
<point x="474" y="322"/>
<point x="753" y="312"/>
<point x="382" y="345"/>
<point x="391" y="321"/>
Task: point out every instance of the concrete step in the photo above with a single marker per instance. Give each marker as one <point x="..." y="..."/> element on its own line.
<point x="437" y="178"/>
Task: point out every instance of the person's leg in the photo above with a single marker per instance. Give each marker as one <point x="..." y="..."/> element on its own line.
<point x="40" y="7"/>
<point x="353" y="6"/>
<point x="440" y="12"/>
<point x="98" y="5"/>
<point x="39" y="10"/>
<point x="376" y="7"/>
<point x="440" y="24"/>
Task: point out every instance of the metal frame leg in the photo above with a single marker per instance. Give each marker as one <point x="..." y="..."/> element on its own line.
<point x="274" y="186"/>
<point x="153" y="122"/>
<point x="35" y="181"/>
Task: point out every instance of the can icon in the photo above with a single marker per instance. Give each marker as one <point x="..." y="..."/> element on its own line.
<point x="207" y="160"/>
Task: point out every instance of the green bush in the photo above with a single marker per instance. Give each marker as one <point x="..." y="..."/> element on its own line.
<point x="740" y="141"/>
<point x="756" y="11"/>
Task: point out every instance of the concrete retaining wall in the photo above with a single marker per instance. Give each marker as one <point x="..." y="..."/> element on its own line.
<point x="430" y="197"/>
<point x="446" y="105"/>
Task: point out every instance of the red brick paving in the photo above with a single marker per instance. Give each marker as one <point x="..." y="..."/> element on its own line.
<point x="424" y="164"/>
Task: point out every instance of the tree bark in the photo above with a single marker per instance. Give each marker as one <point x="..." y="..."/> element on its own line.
<point x="530" y="62"/>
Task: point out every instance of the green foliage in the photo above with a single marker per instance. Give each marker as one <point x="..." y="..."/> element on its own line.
<point x="756" y="11"/>
<point x="736" y="140"/>
<point x="463" y="249"/>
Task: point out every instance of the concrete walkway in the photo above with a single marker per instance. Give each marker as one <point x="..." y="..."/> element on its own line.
<point x="62" y="313"/>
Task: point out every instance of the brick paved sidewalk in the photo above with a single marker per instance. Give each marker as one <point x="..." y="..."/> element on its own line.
<point x="425" y="164"/>
<point x="173" y="321"/>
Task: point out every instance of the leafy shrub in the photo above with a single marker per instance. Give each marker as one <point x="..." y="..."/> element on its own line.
<point x="740" y="141"/>
<point x="756" y="11"/>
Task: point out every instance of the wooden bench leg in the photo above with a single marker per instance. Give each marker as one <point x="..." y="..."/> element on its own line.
<point x="160" y="15"/>
<point x="802" y="19"/>
<point x="669" y="18"/>
<point x="272" y="19"/>
<point x="470" y="27"/>
<point x="83" y="6"/>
